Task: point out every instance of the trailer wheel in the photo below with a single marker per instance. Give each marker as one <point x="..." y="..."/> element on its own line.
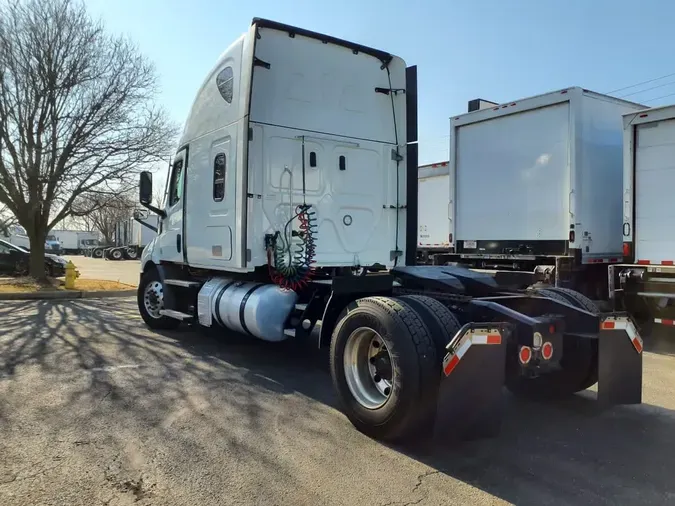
<point x="442" y="324"/>
<point x="571" y="297"/>
<point x="117" y="254"/>
<point x="384" y="368"/>
<point x="150" y="298"/>
<point x="579" y="365"/>
<point x="97" y="253"/>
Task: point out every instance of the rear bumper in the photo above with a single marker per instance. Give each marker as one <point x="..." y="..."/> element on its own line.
<point x="470" y="398"/>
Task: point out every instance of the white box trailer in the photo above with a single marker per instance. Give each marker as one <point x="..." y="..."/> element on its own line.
<point x="433" y="227"/>
<point x="535" y="188"/>
<point x="645" y="282"/>
<point x="74" y="242"/>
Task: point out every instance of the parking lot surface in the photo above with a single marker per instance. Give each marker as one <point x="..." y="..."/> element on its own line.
<point x="124" y="271"/>
<point x="97" y="410"/>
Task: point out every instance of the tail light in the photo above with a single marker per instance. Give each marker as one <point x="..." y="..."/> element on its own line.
<point x="572" y="235"/>
<point x="450" y="238"/>
<point x="524" y="355"/>
<point x="547" y="351"/>
<point x="626" y="249"/>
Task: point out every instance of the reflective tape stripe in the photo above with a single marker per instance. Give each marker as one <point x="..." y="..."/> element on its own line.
<point x="649" y="262"/>
<point x="664" y="321"/>
<point x="626" y="324"/>
<point x="484" y="337"/>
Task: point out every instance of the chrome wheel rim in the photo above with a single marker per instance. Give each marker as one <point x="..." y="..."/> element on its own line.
<point x="368" y="368"/>
<point x="153" y="299"/>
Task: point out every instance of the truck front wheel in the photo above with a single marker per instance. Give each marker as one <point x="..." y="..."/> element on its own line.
<point x="150" y="298"/>
<point x="384" y="368"/>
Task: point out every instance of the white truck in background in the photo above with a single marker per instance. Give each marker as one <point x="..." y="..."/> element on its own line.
<point x="75" y="242"/>
<point x="433" y="234"/>
<point x="131" y="236"/>
<point x="535" y="190"/>
<point x="644" y="283"/>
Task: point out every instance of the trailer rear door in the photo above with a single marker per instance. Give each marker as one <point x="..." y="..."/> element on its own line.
<point x="654" y="182"/>
<point x="512" y="177"/>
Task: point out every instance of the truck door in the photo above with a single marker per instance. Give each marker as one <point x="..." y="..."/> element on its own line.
<point x="171" y="239"/>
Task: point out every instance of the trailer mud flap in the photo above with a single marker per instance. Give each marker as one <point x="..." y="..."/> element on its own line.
<point x="619" y="361"/>
<point x="470" y="400"/>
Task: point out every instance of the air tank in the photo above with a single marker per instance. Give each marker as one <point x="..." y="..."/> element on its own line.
<point x="256" y="309"/>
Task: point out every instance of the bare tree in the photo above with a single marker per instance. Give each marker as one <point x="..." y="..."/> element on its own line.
<point x="6" y="221"/>
<point x="106" y="211"/>
<point x="77" y="115"/>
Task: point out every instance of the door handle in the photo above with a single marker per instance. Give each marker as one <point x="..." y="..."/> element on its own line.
<point x="178" y="242"/>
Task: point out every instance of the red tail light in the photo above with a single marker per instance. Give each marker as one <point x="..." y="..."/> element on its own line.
<point x="524" y="355"/>
<point x="450" y="238"/>
<point x="626" y="249"/>
<point x="572" y="236"/>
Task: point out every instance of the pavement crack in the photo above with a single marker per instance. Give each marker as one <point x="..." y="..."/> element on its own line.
<point x="107" y="394"/>
<point x="420" y="481"/>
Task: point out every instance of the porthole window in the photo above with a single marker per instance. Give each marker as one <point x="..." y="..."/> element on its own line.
<point x="225" y="83"/>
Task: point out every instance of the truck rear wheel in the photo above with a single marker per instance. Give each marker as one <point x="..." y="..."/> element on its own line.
<point x="579" y="365"/>
<point x="150" y="298"/>
<point x="384" y="368"/>
<point x="442" y="324"/>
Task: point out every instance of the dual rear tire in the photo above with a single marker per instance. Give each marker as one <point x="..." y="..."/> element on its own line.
<point x="385" y="361"/>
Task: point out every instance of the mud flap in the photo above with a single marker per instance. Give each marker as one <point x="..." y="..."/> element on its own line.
<point x="470" y="400"/>
<point x="619" y="361"/>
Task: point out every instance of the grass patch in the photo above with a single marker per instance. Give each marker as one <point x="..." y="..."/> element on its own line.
<point x="27" y="284"/>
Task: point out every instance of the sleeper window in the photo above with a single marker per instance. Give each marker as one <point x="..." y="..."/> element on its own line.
<point x="225" y="83"/>
<point x="219" y="170"/>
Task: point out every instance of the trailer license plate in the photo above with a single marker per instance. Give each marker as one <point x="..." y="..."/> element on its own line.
<point x="469" y="244"/>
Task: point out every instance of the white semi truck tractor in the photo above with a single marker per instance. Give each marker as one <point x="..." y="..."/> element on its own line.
<point x="292" y="214"/>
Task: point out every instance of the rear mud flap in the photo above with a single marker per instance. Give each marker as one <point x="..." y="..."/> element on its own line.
<point x="619" y="361"/>
<point x="470" y="401"/>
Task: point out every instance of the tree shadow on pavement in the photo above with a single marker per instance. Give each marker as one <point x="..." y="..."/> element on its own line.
<point x="88" y="374"/>
<point x="128" y="399"/>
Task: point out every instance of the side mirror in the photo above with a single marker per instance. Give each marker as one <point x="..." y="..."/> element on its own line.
<point x="145" y="188"/>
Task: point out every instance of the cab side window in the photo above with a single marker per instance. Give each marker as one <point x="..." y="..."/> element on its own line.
<point x="176" y="186"/>
<point x="219" y="171"/>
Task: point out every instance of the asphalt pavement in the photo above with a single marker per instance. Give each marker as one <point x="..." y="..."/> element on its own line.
<point x="97" y="410"/>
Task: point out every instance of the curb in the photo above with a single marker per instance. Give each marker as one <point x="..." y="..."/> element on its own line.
<point x="67" y="295"/>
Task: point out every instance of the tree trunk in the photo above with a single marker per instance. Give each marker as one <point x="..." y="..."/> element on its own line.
<point x="37" y="256"/>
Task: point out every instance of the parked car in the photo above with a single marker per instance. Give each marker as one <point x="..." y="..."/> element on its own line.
<point x="14" y="260"/>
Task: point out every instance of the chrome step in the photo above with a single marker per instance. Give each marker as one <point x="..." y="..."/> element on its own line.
<point x="183" y="283"/>
<point x="301" y="307"/>
<point x="177" y="315"/>
<point x="289" y="332"/>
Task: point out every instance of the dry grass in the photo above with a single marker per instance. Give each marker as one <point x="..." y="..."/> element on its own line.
<point x="27" y="284"/>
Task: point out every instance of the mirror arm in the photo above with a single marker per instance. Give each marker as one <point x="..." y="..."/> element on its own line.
<point x="154" y="229"/>
<point x="156" y="210"/>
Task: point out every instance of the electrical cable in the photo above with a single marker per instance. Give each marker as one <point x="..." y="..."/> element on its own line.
<point x="639" y="84"/>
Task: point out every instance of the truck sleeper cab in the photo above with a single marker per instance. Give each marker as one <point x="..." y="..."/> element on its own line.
<point x="291" y="213"/>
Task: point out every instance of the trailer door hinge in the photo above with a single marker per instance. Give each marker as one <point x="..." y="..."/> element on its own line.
<point x="396" y="156"/>
<point x="257" y="62"/>
<point x="387" y="91"/>
<point x="250" y="133"/>
<point x="393" y="254"/>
